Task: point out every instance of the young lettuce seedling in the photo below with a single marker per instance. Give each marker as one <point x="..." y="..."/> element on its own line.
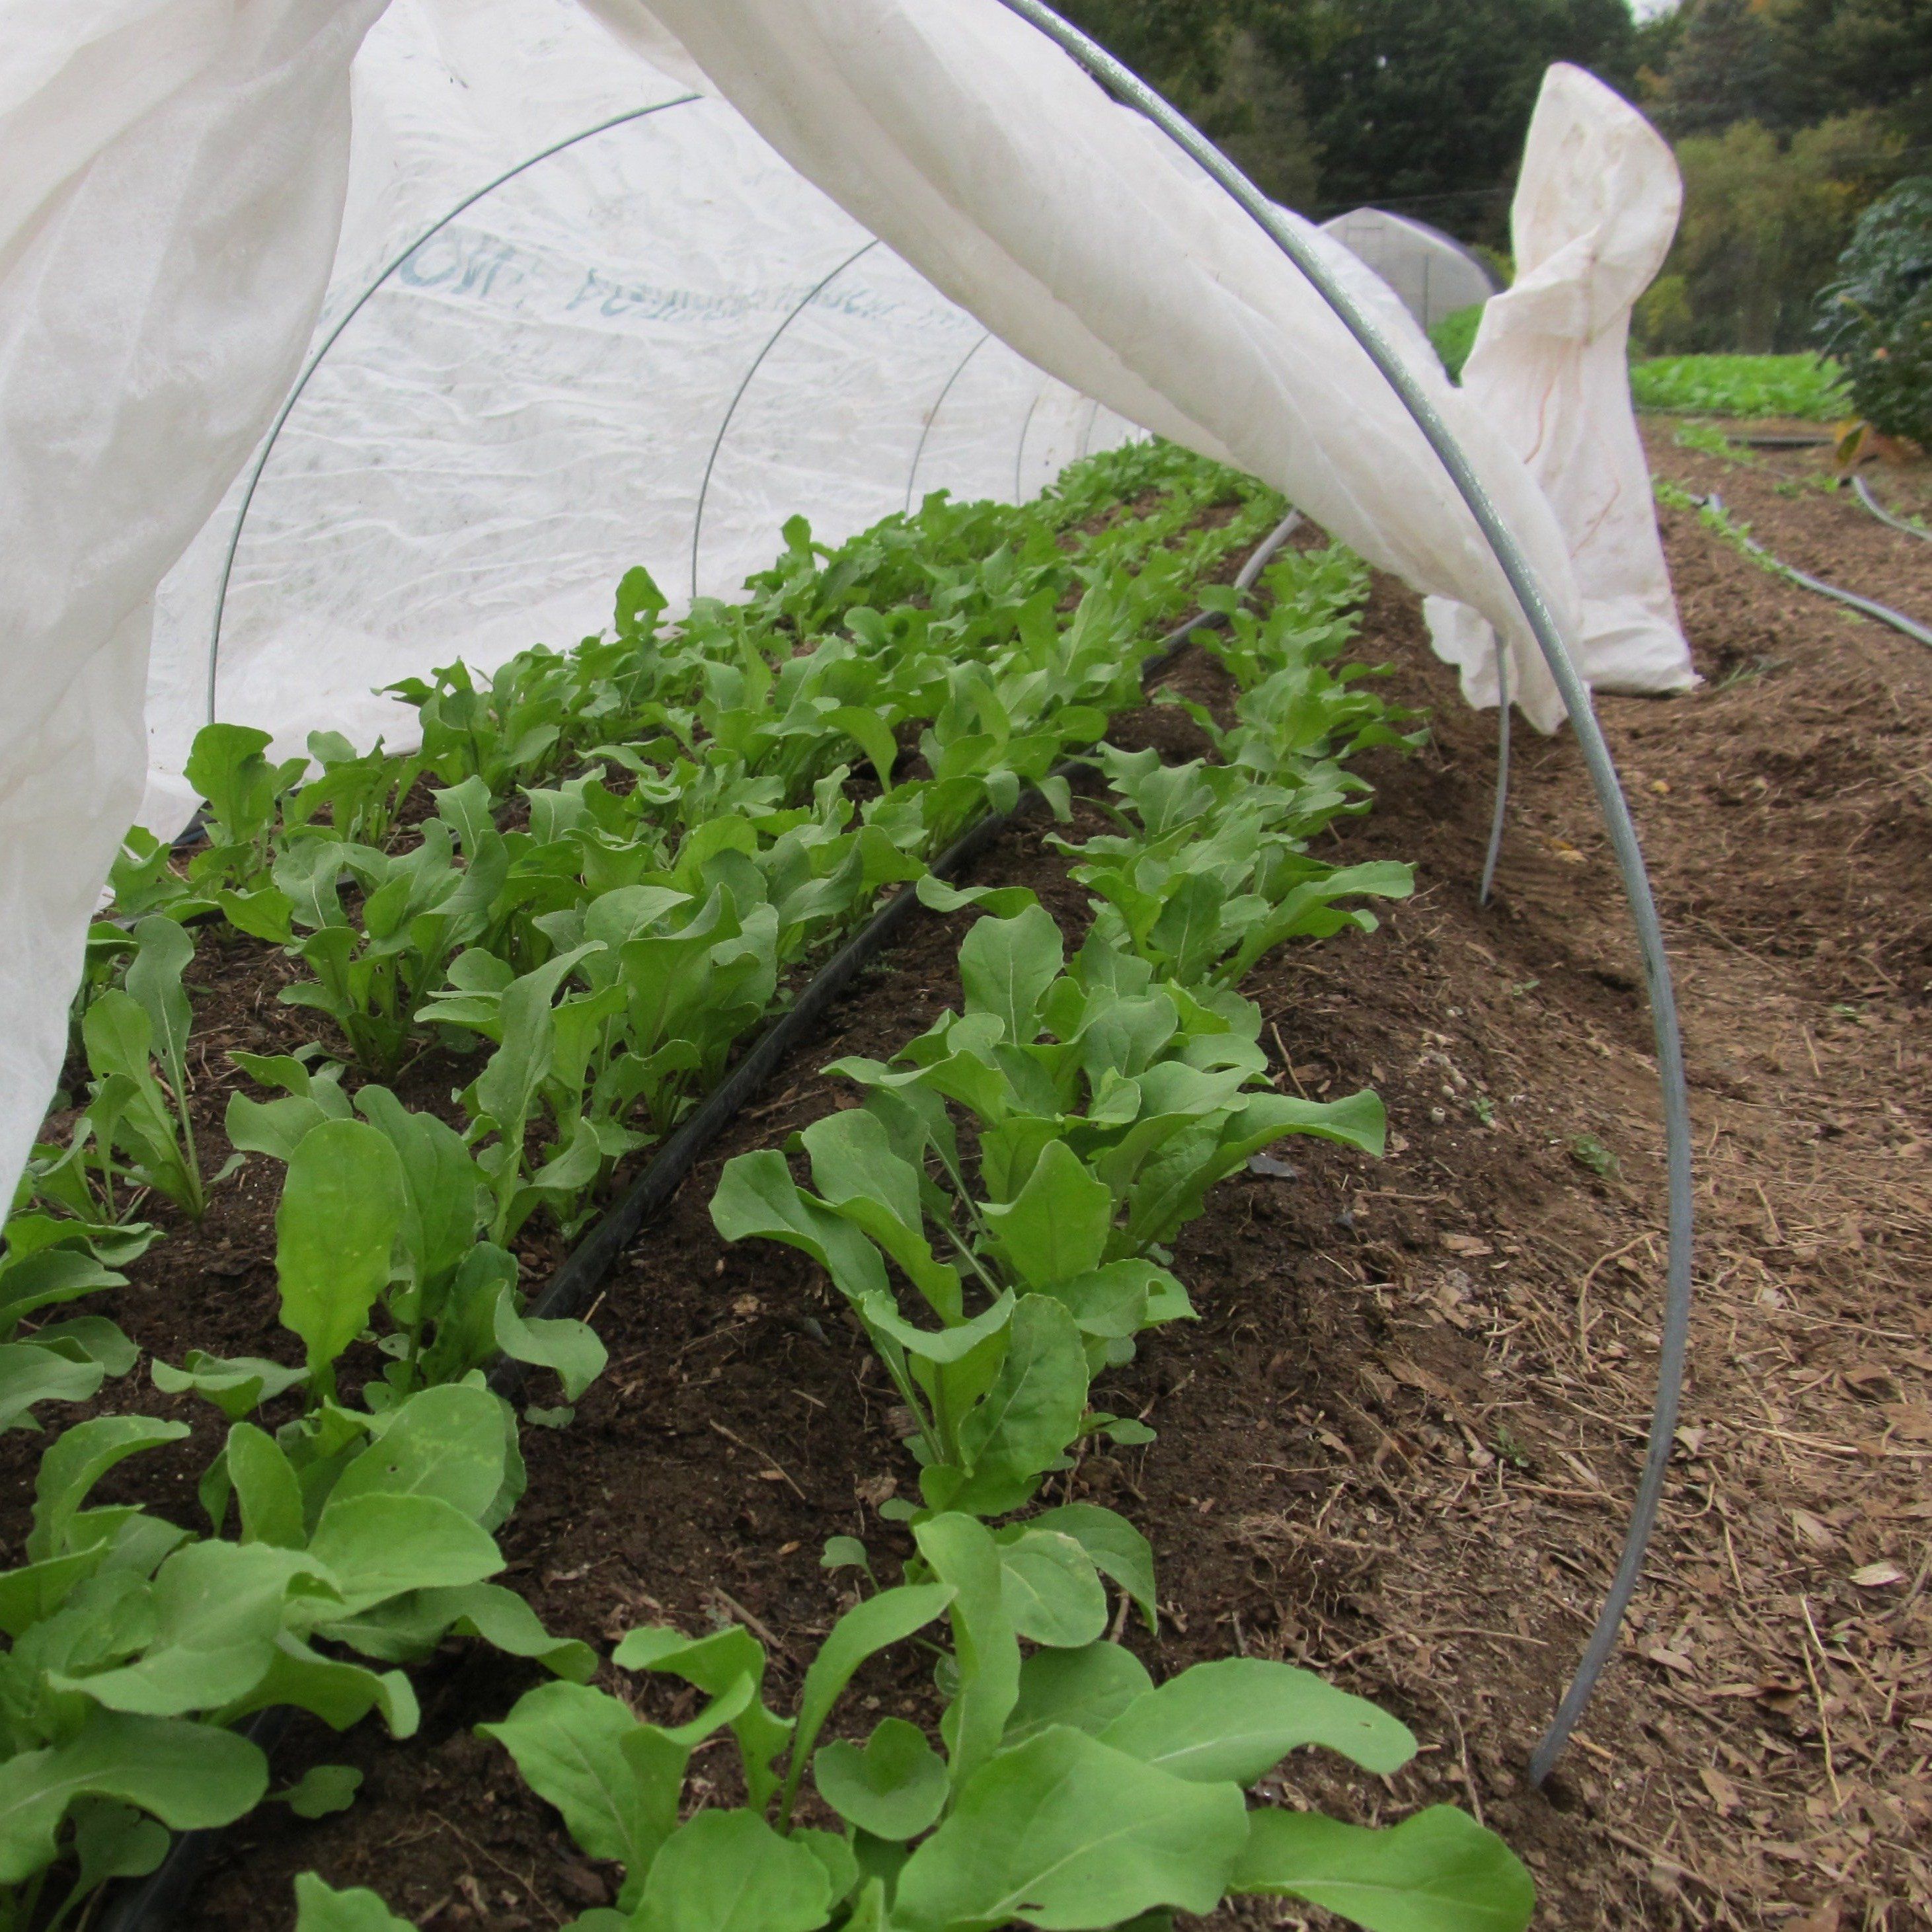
<point x="49" y="1260"/>
<point x="244" y="792"/>
<point x="390" y="1210"/>
<point x="135" y="1648"/>
<point x="1209" y="870"/>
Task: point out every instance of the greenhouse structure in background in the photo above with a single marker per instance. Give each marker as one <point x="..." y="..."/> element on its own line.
<point x="1432" y="272"/>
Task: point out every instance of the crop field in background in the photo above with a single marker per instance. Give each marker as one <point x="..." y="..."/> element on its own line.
<point x="1805" y="386"/>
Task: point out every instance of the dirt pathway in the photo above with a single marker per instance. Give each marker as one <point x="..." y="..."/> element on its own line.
<point x="1759" y="1754"/>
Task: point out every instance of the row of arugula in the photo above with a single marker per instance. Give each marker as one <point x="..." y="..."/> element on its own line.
<point x="627" y="853"/>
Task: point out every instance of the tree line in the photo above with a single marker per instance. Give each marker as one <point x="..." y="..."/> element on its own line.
<point x="1788" y="117"/>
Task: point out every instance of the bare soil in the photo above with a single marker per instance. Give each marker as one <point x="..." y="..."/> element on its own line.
<point x="1400" y="1444"/>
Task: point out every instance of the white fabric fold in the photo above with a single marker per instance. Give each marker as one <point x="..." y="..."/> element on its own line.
<point x="1593" y="221"/>
<point x="171" y="184"/>
<point x="992" y="163"/>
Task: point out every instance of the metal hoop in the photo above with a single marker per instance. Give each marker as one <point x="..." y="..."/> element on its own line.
<point x="1128" y="86"/>
<point x="1499" y="818"/>
<point x="932" y="416"/>
<point x="355" y="309"/>
<point x="1019" y="453"/>
<point x="731" y="409"/>
<point x="1086" y="435"/>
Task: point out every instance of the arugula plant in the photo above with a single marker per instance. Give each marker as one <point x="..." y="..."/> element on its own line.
<point x="1312" y="611"/>
<point x="1005" y="724"/>
<point x="1104" y="1105"/>
<point x="360" y="792"/>
<point x="572" y="1062"/>
<point x="137" y="1130"/>
<point x="952" y="555"/>
<point x="650" y="986"/>
<point x="389" y="1212"/>
<point x="254" y="811"/>
<point x="49" y="1261"/>
<point x="134" y="1648"/>
<point x="1066" y="1789"/>
<point x="1209" y="870"/>
<point x="227" y="766"/>
<point x="143" y="879"/>
<point x="509" y="730"/>
<point x="417" y="908"/>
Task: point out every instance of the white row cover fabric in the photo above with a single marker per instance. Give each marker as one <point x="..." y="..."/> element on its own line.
<point x="1594" y="216"/>
<point x="172" y="174"/>
<point x="172" y="177"/>
<point x="1432" y="272"/>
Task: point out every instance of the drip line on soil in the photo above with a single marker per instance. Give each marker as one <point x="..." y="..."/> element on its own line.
<point x="1280" y="228"/>
<point x="1883" y="612"/>
<point x="1863" y="491"/>
<point x="151" y="1904"/>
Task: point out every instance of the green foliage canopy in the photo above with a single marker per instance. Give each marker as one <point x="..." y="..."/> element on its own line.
<point x="1877" y="318"/>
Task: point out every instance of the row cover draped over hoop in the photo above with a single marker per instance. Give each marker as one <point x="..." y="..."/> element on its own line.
<point x="173" y="178"/>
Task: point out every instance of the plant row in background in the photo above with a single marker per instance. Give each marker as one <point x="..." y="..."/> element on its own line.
<point x="602" y="871"/>
<point x="598" y="871"/>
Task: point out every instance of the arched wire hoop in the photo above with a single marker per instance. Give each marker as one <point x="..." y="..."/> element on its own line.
<point x="932" y="416"/>
<point x="355" y="309"/>
<point x="1499" y="818"/>
<point x="731" y="410"/>
<point x="1019" y="453"/>
<point x="1127" y="86"/>
<point x="1086" y="434"/>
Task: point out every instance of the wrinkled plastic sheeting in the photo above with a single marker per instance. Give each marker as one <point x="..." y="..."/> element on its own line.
<point x="172" y="175"/>
<point x="529" y="404"/>
<point x="990" y="161"/>
<point x="1592" y="223"/>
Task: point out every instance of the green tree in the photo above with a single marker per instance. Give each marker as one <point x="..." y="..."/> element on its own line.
<point x="1708" y="64"/>
<point x="1764" y="221"/>
<point x="1876" y="317"/>
<point x="1838" y="55"/>
<point x="1208" y="58"/>
<point x="1724" y="67"/>
<point x="1425" y="103"/>
<point x="1422" y="103"/>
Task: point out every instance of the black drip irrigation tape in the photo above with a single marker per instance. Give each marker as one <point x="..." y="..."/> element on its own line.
<point x="152" y="1904"/>
<point x="1863" y="491"/>
<point x="1882" y="612"/>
